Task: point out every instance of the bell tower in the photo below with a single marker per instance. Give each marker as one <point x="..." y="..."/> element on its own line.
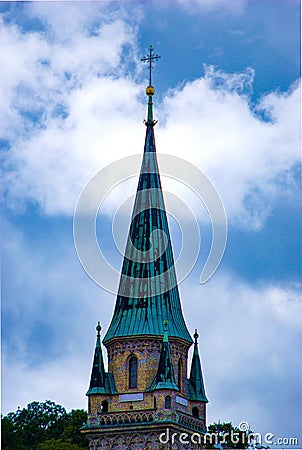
<point x="146" y="394"/>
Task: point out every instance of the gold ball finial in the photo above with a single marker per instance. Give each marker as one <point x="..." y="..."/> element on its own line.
<point x="150" y="90"/>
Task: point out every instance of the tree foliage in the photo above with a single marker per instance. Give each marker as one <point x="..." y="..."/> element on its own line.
<point x="227" y="436"/>
<point x="44" y="423"/>
<point x="58" y="444"/>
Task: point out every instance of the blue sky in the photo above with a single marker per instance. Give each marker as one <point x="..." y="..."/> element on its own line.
<point x="228" y="101"/>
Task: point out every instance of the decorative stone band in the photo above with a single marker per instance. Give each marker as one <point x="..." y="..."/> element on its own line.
<point x="139" y="344"/>
<point x="114" y="420"/>
<point x="191" y="422"/>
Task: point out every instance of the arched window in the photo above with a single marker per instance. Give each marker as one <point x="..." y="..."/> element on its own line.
<point x="180" y="374"/>
<point x="195" y="411"/>
<point x="104" y="406"/>
<point x="168" y="402"/>
<point x="133" y="372"/>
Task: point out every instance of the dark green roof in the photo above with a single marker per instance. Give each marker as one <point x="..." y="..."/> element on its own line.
<point x="195" y="382"/>
<point x="164" y="379"/>
<point x="148" y="292"/>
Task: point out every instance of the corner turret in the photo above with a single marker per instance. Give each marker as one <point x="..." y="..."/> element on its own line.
<point x="164" y="378"/>
<point x="100" y="381"/>
<point x="196" y="386"/>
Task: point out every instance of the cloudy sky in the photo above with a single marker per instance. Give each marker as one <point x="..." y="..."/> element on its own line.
<point x="227" y="100"/>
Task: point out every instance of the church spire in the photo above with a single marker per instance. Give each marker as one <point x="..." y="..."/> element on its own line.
<point x="164" y="378"/>
<point x="147" y="338"/>
<point x="196" y="386"/>
<point x="148" y="291"/>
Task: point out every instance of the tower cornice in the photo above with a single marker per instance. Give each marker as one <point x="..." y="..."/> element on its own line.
<point x="145" y="337"/>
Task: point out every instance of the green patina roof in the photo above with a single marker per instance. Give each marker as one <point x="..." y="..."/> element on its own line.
<point x="164" y="379"/>
<point x="148" y="292"/>
<point x="195" y="382"/>
<point x="100" y="381"/>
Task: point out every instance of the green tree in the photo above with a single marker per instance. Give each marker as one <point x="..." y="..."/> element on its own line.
<point x="37" y="422"/>
<point x="58" y="444"/>
<point x="11" y="439"/>
<point x="43" y="422"/>
<point x="75" y="420"/>
<point x="227" y="436"/>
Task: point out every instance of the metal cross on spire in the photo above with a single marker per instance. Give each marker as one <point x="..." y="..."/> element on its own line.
<point x="149" y="59"/>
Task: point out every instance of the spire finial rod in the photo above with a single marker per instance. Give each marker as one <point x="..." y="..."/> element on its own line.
<point x="150" y="59"/>
<point x="150" y="89"/>
<point x="196" y="336"/>
<point x="98" y="329"/>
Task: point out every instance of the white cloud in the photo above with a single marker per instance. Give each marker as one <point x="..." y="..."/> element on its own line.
<point x="211" y="123"/>
<point x="20" y="53"/>
<point x="66" y="107"/>
<point x="249" y="348"/>
<point x="70" y="108"/>
<point x="50" y="313"/>
<point x="54" y="380"/>
<point x="54" y="165"/>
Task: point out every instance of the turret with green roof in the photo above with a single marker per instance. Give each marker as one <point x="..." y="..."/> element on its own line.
<point x="196" y="385"/>
<point x="164" y="378"/>
<point x="100" y="381"/>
